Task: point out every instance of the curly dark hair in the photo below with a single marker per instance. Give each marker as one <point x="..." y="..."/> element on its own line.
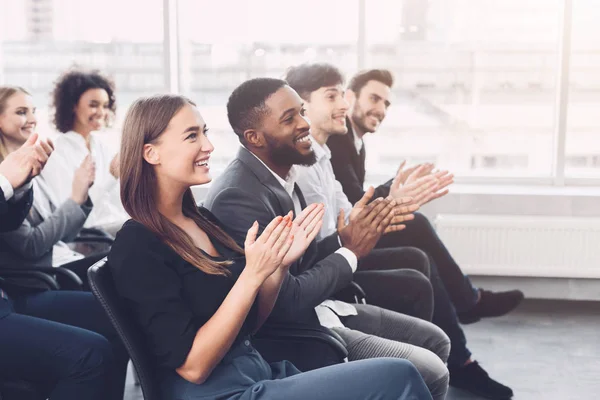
<point x="68" y="89"/>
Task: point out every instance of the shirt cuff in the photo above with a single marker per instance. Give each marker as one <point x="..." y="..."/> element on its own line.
<point x="6" y="187"/>
<point x="20" y="192"/>
<point x="349" y="256"/>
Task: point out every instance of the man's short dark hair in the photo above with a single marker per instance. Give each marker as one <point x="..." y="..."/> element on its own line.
<point x="359" y="80"/>
<point x="246" y="105"/>
<point x="307" y="78"/>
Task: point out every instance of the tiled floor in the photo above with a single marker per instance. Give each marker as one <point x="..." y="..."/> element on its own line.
<point x="545" y="350"/>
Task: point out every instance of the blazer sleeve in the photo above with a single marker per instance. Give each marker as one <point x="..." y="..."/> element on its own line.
<point x="344" y="171"/>
<point x="345" y="174"/>
<point x="237" y="210"/>
<point x="12" y="214"/>
<point x="382" y="190"/>
<point x="32" y="242"/>
<point x="327" y="246"/>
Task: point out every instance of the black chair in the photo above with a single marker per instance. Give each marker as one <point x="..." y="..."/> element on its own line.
<point x="93" y="234"/>
<point x="352" y="293"/>
<point x="307" y="347"/>
<point x="101" y="281"/>
<point x="11" y="389"/>
<point x="48" y="276"/>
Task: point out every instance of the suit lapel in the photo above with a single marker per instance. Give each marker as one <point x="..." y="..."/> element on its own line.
<point x="360" y="165"/>
<point x="358" y="159"/>
<point x="285" y="201"/>
<point x="266" y="178"/>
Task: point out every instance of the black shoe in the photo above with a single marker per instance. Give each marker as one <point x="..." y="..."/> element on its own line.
<point x="474" y="379"/>
<point x="492" y="304"/>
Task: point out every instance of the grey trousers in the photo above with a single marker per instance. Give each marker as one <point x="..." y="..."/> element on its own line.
<point x="377" y="332"/>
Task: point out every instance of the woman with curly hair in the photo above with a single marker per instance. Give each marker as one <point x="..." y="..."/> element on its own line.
<point x="84" y="104"/>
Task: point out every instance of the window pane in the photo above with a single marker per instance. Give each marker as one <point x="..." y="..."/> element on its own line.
<point x="583" y="121"/>
<point x="43" y="38"/>
<point x="475" y="84"/>
<point x="220" y="49"/>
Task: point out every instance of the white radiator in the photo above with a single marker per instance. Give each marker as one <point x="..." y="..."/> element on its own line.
<point x="523" y="245"/>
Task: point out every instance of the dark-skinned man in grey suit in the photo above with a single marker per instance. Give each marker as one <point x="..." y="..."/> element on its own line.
<point x="267" y="116"/>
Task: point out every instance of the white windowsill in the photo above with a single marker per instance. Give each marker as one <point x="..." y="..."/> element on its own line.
<point x="525" y="190"/>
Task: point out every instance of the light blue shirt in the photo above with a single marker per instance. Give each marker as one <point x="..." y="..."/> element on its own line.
<point x="318" y="185"/>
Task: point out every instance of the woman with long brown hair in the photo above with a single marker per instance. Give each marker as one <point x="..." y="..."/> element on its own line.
<point x="196" y="294"/>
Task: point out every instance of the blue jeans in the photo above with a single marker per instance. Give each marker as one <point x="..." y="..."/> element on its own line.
<point x="244" y="375"/>
<point x="63" y="343"/>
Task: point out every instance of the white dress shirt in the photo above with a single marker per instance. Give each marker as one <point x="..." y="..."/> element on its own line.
<point x="358" y="142"/>
<point x="328" y="311"/>
<point x="318" y="185"/>
<point x="70" y="151"/>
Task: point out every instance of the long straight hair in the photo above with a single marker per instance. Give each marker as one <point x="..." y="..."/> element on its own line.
<point x="145" y="122"/>
<point x="6" y="92"/>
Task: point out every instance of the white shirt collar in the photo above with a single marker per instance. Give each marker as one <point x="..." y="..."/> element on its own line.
<point x="358" y="142"/>
<point x="320" y="150"/>
<point x="287" y="183"/>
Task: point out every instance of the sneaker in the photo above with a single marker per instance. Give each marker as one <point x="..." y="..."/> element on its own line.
<point x="492" y="304"/>
<point x="474" y="379"/>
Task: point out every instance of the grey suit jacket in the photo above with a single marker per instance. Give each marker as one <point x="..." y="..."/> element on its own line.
<point x="248" y="192"/>
<point x="31" y="243"/>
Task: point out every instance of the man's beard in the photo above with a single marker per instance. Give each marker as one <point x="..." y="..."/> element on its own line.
<point x="284" y="154"/>
<point x="358" y="118"/>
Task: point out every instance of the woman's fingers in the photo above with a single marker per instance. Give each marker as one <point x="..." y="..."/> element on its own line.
<point x="251" y="235"/>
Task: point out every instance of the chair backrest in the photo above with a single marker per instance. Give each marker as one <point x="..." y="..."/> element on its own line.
<point x="103" y="287"/>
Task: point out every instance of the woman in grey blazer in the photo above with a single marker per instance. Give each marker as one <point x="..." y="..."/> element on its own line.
<point x="61" y="341"/>
<point x="41" y="238"/>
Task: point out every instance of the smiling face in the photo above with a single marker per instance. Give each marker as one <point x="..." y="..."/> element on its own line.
<point x="182" y="152"/>
<point x="370" y="107"/>
<point x="286" y="129"/>
<point x="327" y="110"/>
<point x="18" y="121"/>
<point x="92" y="111"/>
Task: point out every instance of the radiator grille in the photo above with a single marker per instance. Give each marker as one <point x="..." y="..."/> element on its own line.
<point x="523" y="245"/>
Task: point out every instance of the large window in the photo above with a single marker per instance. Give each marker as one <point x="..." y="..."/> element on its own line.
<point x="219" y="49"/>
<point x="43" y="38"/>
<point x="583" y="119"/>
<point x="475" y="84"/>
<point x="481" y="85"/>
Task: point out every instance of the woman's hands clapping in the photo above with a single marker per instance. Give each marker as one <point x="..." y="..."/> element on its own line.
<point x="265" y="254"/>
<point x="282" y="242"/>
